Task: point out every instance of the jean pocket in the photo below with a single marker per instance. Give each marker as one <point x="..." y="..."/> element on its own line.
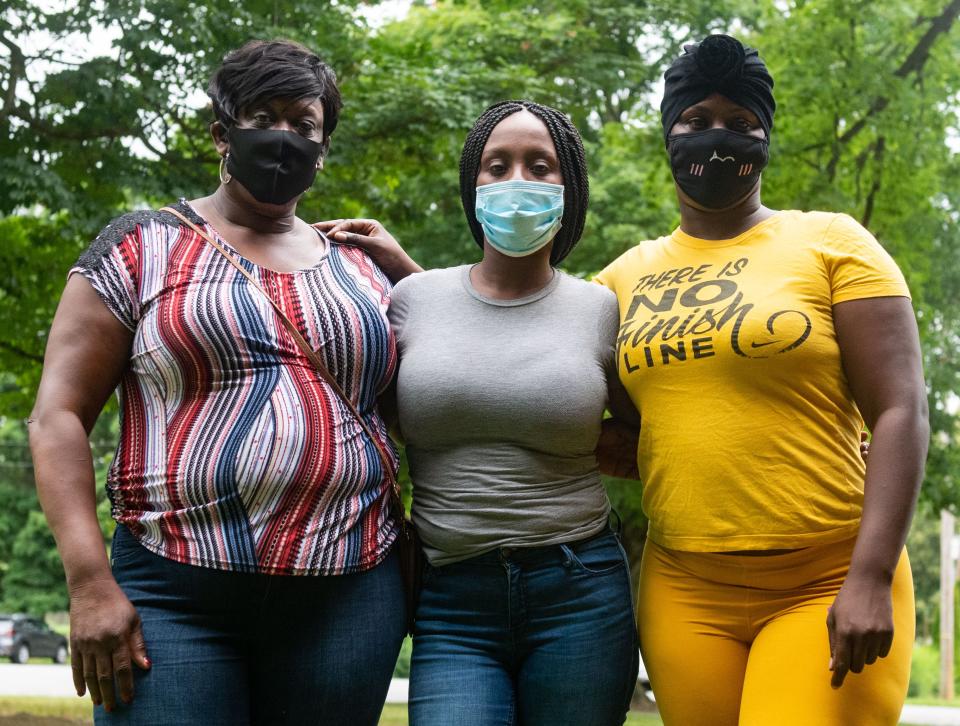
<point x="124" y="546"/>
<point x="598" y="556"/>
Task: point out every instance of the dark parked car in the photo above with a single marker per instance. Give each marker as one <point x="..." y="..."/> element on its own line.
<point x="23" y="637"/>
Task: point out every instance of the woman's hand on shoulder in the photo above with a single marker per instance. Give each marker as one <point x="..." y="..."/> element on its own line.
<point x="106" y="641"/>
<point x="374" y="239"/>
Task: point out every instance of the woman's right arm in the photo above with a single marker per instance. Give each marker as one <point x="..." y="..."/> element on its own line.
<point x="86" y="354"/>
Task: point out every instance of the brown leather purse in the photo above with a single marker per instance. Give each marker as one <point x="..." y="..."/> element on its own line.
<point x="408" y="543"/>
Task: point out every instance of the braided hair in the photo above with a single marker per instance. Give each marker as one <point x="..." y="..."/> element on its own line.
<point x="573" y="167"/>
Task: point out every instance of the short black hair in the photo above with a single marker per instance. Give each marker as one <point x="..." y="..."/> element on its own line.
<point x="261" y="70"/>
<point x="573" y="167"/>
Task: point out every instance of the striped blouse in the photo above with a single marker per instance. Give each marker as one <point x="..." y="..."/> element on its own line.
<point x="234" y="454"/>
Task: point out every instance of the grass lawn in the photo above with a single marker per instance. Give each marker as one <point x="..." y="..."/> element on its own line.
<point x="76" y="708"/>
<point x="920" y="701"/>
<point x="394" y="714"/>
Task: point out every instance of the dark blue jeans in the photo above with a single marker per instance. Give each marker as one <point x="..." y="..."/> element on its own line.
<point x="541" y="636"/>
<point x="238" y="649"/>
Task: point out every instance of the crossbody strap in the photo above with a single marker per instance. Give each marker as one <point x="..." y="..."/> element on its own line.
<point x="309" y="352"/>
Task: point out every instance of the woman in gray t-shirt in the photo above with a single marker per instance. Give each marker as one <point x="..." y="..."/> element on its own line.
<point x="506" y="367"/>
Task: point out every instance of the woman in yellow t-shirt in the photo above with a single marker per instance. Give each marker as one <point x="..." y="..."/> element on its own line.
<point x="775" y="587"/>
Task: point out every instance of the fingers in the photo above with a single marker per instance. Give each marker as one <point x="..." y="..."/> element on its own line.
<point x="831" y="634"/>
<point x="76" y="667"/>
<point x="90" y="678"/>
<point x="850" y="653"/>
<point x="840" y="670"/>
<point x="96" y="672"/>
<point x="138" y="647"/>
<point x="886" y="642"/>
<point x="363" y="227"/>
<point x="839" y="652"/>
<point x="858" y="653"/>
<point x="840" y="662"/>
<point x="351" y="238"/>
<point x="104" y="665"/>
<point x="327" y="225"/>
<point x="123" y="670"/>
<point x="878" y="646"/>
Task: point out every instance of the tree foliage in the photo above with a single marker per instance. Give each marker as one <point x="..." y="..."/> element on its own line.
<point x="867" y="124"/>
<point x="34" y="580"/>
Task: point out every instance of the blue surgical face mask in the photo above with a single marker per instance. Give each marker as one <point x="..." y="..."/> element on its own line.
<point x="519" y="217"/>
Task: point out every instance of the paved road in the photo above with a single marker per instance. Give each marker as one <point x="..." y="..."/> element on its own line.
<point x="930" y="716"/>
<point x="35" y="680"/>
<point x="54" y="680"/>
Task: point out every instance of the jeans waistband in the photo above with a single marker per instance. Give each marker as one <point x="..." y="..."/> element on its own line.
<point x="537" y="553"/>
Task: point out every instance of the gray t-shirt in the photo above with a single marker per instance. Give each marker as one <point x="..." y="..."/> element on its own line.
<point x="500" y="404"/>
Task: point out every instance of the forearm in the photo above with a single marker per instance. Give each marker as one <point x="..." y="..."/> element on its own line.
<point x="894" y="472"/>
<point x="396" y="263"/>
<point x="67" y="492"/>
<point x="617" y="449"/>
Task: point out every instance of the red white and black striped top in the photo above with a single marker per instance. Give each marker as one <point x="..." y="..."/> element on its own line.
<point x="234" y="453"/>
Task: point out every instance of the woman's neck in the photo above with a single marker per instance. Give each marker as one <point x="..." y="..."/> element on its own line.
<point x="225" y="205"/>
<point x="724" y="224"/>
<point x="500" y="277"/>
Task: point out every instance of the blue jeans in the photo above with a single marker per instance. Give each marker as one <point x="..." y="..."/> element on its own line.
<point x="238" y="649"/>
<point x="541" y="636"/>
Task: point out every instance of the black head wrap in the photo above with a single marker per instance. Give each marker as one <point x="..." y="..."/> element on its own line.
<point x="718" y="64"/>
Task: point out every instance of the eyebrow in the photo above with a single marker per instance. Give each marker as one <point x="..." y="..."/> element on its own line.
<point x="273" y="105"/>
<point x="509" y="149"/>
<point x="705" y="109"/>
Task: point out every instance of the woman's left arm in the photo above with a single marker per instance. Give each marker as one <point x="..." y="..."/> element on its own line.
<point x="880" y="350"/>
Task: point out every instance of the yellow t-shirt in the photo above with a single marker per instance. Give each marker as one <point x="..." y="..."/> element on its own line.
<point x="750" y="435"/>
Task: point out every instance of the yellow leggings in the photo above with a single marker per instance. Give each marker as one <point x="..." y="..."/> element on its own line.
<point x="734" y="639"/>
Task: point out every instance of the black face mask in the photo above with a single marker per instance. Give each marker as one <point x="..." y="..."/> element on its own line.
<point x="717" y="168"/>
<point x="274" y="166"/>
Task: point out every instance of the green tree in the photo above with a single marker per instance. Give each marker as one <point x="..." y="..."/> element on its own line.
<point x="924" y="548"/>
<point x="34" y="581"/>
<point x="29" y="562"/>
<point x="89" y="140"/>
<point x="17" y="498"/>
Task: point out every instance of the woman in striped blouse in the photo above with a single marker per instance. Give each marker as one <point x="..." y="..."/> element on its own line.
<point x="246" y="495"/>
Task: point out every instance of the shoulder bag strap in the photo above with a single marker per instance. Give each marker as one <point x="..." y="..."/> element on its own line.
<point x="309" y="352"/>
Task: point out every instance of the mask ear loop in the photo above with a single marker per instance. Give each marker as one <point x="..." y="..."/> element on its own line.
<point x="223" y="170"/>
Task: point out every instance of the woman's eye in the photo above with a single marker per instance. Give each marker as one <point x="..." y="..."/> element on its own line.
<point x="262" y="119"/>
<point x="741" y="124"/>
<point x="497" y="169"/>
<point x="540" y="169"/>
<point x="306" y="128"/>
<point x="696" y="122"/>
